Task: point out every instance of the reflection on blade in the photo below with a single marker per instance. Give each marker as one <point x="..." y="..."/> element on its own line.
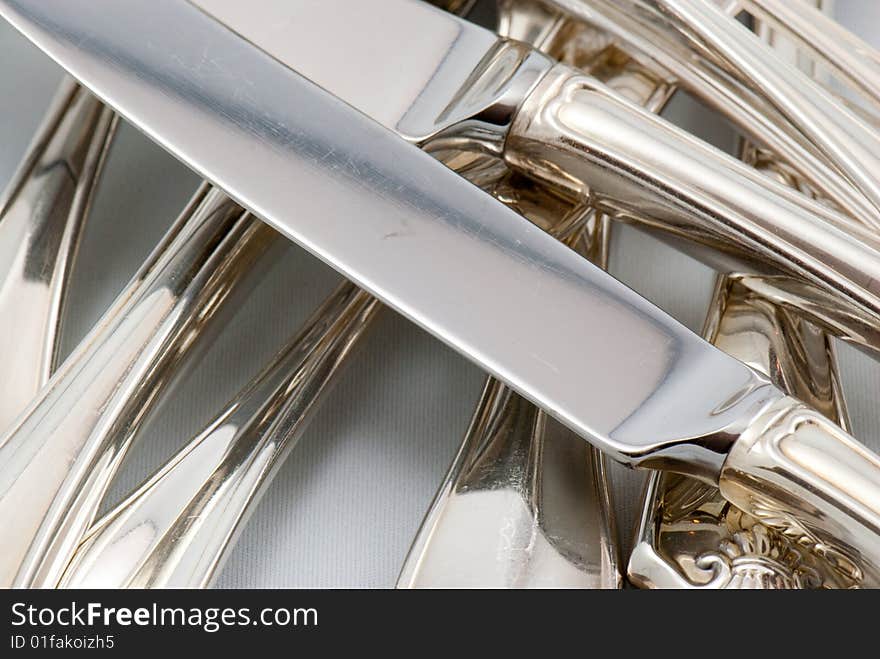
<point x="525" y="503"/>
<point x="308" y="164"/>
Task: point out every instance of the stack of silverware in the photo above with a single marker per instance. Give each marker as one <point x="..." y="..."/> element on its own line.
<point x="467" y="165"/>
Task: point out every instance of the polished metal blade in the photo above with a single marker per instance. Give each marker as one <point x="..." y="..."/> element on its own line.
<point x="478" y="276"/>
<point x="636" y="167"/>
<point x="418" y="56"/>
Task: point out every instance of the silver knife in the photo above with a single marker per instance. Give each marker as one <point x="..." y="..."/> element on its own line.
<point x="468" y="86"/>
<point x="444" y="253"/>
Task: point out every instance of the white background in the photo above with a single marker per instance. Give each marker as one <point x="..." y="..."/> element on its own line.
<point x="345" y="506"/>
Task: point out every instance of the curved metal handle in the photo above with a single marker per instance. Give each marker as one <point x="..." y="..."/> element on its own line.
<point x="57" y="460"/>
<point x="851" y="145"/>
<point x="798" y="472"/>
<point x="42" y="215"/>
<point x="828" y="40"/>
<point x="175" y="530"/>
<point x="575" y="132"/>
<point x="655" y="40"/>
<point x="689" y="536"/>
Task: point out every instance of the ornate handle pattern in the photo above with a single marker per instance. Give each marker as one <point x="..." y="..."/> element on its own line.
<point x="798" y="472"/>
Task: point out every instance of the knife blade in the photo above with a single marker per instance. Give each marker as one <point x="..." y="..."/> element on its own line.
<point x="452" y="259"/>
<point x="415" y="216"/>
<point x="461" y="83"/>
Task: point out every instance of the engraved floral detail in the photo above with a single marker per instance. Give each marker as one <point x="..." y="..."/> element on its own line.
<point x="791" y="528"/>
<point x="736" y="550"/>
<point x="755" y="556"/>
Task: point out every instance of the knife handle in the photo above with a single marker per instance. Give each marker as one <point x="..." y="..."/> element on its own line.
<point x="798" y="472"/>
<point x="579" y="135"/>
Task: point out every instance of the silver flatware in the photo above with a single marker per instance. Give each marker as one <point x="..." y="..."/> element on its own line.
<point x="570" y="36"/>
<point x="306" y="162"/>
<point x="744" y="552"/>
<point x="57" y="459"/>
<point x="850" y="145"/>
<point x="840" y="54"/>
<point x="665" y="37"/>
<point x="42" y="216"/>
<point x="525" y="503"/>
<point x="573" y="131"/>
<point x="689" y="536"/>
<point x="175" y="530"/>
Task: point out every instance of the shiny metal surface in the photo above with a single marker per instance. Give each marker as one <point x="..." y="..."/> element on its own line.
<point x="837" y="48"/>
<point x="850" y="145"/>
<point x="525" y="503"/>
<point x="816" y="485"/>
<point x="689" y="536"/>
<point x="639" y="168"/>
<point x="175" y="530"/>
<point x="57" y="460"/>
<point x="654" y="37"/>
<point x="461" y="83"/>
<point x="42" y="214"/>
<point x="480" y="266"/>
<point x="576" y="132"/>
<point x="831" y="312"/>
<point x="692" y="400"/>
